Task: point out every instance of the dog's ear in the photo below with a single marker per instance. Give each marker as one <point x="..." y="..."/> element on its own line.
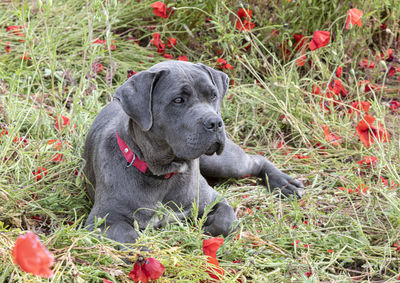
<point x="219" y="79"/>
<point x="135" y="97"/>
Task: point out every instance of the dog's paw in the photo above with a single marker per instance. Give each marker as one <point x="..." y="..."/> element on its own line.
<point x="287" y="185"/>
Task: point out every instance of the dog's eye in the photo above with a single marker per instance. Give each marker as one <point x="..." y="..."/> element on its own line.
<point x="179" y="100"/>
<point x="213" y="97"/>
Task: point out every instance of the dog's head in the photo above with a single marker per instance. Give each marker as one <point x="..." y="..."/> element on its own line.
<point x="178" y="103"/>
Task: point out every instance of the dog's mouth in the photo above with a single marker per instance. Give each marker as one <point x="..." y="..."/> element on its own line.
<point x="216" y="147"/>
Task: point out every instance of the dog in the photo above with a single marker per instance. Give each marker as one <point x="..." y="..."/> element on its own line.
<point x="154" y="144"/>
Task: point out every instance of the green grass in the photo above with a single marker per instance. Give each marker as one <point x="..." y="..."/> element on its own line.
<point x="361" y="230"/>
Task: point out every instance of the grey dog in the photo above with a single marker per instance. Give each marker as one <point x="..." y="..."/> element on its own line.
<point x="154" y="143"/>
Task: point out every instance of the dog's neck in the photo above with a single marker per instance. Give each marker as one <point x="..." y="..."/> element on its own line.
<point x="155" y="152"/>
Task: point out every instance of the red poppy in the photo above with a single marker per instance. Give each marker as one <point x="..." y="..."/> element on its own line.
<point x="392" y="71"/>
<point x="331" y="138"/>
<point x="26" y="56"/>
<point x="369" y="132"/>
<point x="295" y="243"/>
<point x="62" y="122"/>
<point x="107" y="281"/>
<point x="301" y="156"/>
<point x="316" y="89"/>
<point x="8" y="47"/>
<point x="183" y="58"/>
<point x="147" y="269"/>
<point x="301" y="61"/>
<point x="160" y="9"/>
<point x="130" y="73"/>
<point x="99" y="41"/>
<point x="395" y="106"/>
<point x="171" y="42"/>
<point x="337" y="87"/>
<point x="283" y="147"/>
<point x="17" y="30"/>
<point x="368" y="160"/>
<point x="97" y="67"/>
<point x="359" y="106"/>
<point x="300" y="40"/>
<point x="330" y="251"/>
<point x="354" y="18"/>
<point x="320" y="39"/>
<point x="32" y="256"/>
<point x="168" y="56"/>
<point x="210" y="247"/>
<point x="349" y="191"/>
<point x="244" y="22"/>
<point x="338" y="72"/>
<point x="20" y="141"/>
<point x="366" y="86"/>
<point x="367" y="64"/>
<point x="308" y="274"/>
<point x="222" y="64"/>
<point x="158" y="43"/>
<point x="39" y="173"/>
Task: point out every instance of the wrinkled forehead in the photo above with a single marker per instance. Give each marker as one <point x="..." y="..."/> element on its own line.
<point x="186" y="77"/>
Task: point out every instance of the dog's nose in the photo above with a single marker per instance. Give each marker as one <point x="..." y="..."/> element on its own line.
<point x="213" y="124"/>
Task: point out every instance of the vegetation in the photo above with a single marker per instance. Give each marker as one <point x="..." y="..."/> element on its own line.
<point x="66" y="58"/>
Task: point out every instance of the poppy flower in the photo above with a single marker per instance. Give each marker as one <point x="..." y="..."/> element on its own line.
<point x="147" y="269"/>
<point x="295" y="243"/>
<point x="331" y="138"/>
<point x="308" y="274"/>
<point x="395" y="106"/>
<point x="99" y="41"/>
<point x="367" y="64"/>
<point x="316" y="89"/>
<point x="366" y="86"/>
<point x="210" y="247"/>
<point x="26" y="56"/>
<point x="7" y="47"/>
<point x="320" y="39"/>
<point x="300" y="41"/>
<point x="301" y="61"/>
<point x="359" y="106"/>
<point x="369" y="132"/>
<point x="354" y="18"/>
<point x="283" y="147"/>
<point x="338" y="72"/>
<point x="222" y="64"/>
<point x="32" y="256"/>
<point x="20" y="141"/>
<point x="158" y="43"/>
<point x="337" y="87"/>
<point x="171" y="42"/>
<point x="97" y="67"/>
<point x="160" y="9"/>
<point x="130" y="73"/>
<point x="368" y="160"/>
<point x="62" y="122"/>
<point x="392" y="71"/>
<point x="107" y="281"/>
<point x="244" y="22"/>
<point x="301" y="156"/>
<point x="168" y="56"/>
<point x="183" y="58"/>
<point x="39" y="173"/>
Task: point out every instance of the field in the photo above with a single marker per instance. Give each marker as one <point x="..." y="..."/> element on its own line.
<point x="323" y="107"/>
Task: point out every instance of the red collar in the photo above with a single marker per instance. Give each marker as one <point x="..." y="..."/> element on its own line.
<point x="132" y="159"/>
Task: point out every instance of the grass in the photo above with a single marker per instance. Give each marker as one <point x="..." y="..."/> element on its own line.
<point x="341" y="236"/>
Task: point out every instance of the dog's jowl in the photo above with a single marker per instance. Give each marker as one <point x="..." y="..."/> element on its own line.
<point x="146" y="148"/>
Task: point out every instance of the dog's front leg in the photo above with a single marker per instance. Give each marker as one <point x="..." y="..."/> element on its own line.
<point x="116" y="227"/>
<point x="234" y="162"/>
